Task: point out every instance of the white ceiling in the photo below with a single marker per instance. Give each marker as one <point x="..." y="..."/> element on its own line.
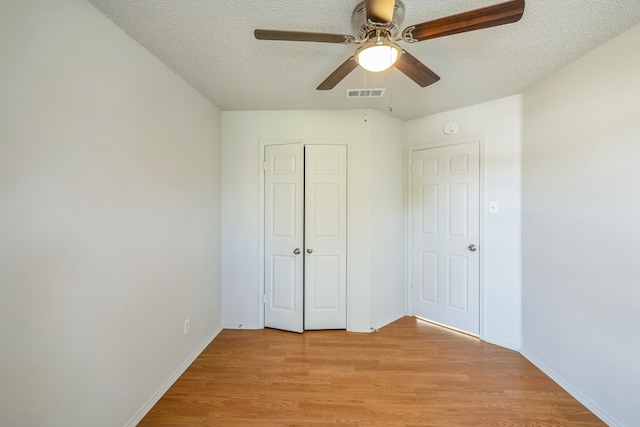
<point x="210" y="43"/>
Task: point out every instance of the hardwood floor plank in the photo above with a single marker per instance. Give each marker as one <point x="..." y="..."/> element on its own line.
<point x="410" y="373"/>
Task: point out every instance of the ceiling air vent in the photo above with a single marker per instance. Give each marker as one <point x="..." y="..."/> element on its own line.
<point x="365" y="93"/>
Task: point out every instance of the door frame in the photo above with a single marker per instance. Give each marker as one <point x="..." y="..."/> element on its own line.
<point x="482" y="219"/>
<point x="261" y="227"/>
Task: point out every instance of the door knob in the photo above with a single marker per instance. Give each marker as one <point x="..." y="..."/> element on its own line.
<point x="472" y="248"/>
<point x="296" y="251"/>
<point x="309" y="251"/>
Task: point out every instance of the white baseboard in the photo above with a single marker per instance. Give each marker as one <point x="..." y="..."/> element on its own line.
<point x="240" y="326"/>
<point x="172" y="379"/>
<point x="388" y="320"/>
<point x="360" y="329"/>
<point x="500" y="343"/>
<point x="606" y="418"/>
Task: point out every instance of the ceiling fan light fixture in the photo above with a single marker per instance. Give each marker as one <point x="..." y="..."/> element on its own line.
<point x="378" y="55"/>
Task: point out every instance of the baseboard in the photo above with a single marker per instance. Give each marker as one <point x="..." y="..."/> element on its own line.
<point x="240" y="326"/>
<point x="388" y="320"/>
<point x="172" y="379"/>
<point x="606" y="418"/>
<point x="361" y="329"/>
<point x="500" y="343"/>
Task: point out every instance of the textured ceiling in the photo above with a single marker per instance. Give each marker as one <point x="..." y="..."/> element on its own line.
<point x="210" y="43"/>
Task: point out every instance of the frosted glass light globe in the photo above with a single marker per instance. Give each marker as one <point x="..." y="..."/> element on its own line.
<point x="378" y="56"/>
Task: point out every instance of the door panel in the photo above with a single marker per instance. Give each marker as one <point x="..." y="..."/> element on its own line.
<point x="284" y="222"/>
<point x="325" y="237"/>
<point x="457" y="283"/>
<point x="324" y="273"/>
<point x="428" y="279"/>
<point x="458" y="210"/>
<point x="445" y="221"/>
<point x="283" y="273"/>
<point x="284" y="228"/>
<point x="429" y="201"/>
<point x="326" y="196"/>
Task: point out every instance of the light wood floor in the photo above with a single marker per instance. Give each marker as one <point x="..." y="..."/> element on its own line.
<point x="411" y="373"/>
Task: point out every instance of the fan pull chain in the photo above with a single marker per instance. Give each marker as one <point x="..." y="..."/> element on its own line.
<point x="391" y="90"/>
<point x="365" y="88"/>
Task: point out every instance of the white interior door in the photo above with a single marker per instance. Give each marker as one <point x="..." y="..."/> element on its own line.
<point x="284" y="236"/>
<point x="325" y="278"/>
<point x="305" y="238"/>
<point x="445" y="235"/>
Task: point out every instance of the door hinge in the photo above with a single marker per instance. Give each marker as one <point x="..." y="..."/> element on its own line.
<point x="264" y="299"/>
<point x="264" y="166"/>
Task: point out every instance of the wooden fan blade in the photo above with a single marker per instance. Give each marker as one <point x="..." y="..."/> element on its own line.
<point x="380" y="10"/>
<point x="416" y="70"/>
<point x="301" y="36"/>
<point x="490" y="16"/>
<point x="340" y="73"/>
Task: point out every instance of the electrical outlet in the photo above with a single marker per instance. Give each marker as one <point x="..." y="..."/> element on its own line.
<point x="186" y="326"/>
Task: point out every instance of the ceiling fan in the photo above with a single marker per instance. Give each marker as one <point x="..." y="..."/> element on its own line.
<point x="377" y="32"/>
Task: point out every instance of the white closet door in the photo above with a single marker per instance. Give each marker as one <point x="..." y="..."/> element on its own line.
<point x="325" y="254"/>
<point x="284" y="236"/>
<point x="445" y="234"/>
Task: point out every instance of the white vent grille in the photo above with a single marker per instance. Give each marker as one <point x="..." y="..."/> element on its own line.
<point x="365" y="93"/>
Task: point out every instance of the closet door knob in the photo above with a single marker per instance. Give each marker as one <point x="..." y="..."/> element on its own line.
<point x="309" y="251"/>
<point x="472" y="248"/>
<point x="296" y="251"/>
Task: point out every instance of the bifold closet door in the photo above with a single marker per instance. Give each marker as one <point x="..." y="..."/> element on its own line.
<point x="305" y="237"/>
<point x="284" y="237"/>
<point x="325" y="276"/>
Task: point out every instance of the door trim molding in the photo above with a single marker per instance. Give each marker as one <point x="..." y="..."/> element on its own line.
<point x="408" y="221"/>
<point x="261" y="227"/>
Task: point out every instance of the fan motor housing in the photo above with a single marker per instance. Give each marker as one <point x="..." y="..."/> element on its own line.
<point x="362" y="27"/>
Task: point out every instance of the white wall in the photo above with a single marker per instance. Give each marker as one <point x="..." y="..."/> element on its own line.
<point x="242" y="135"/>
<point x="581" y="228"/>
<point x="498" y="123"/>
<point x="109" y="219"/>
<point x="388" y="217"/>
